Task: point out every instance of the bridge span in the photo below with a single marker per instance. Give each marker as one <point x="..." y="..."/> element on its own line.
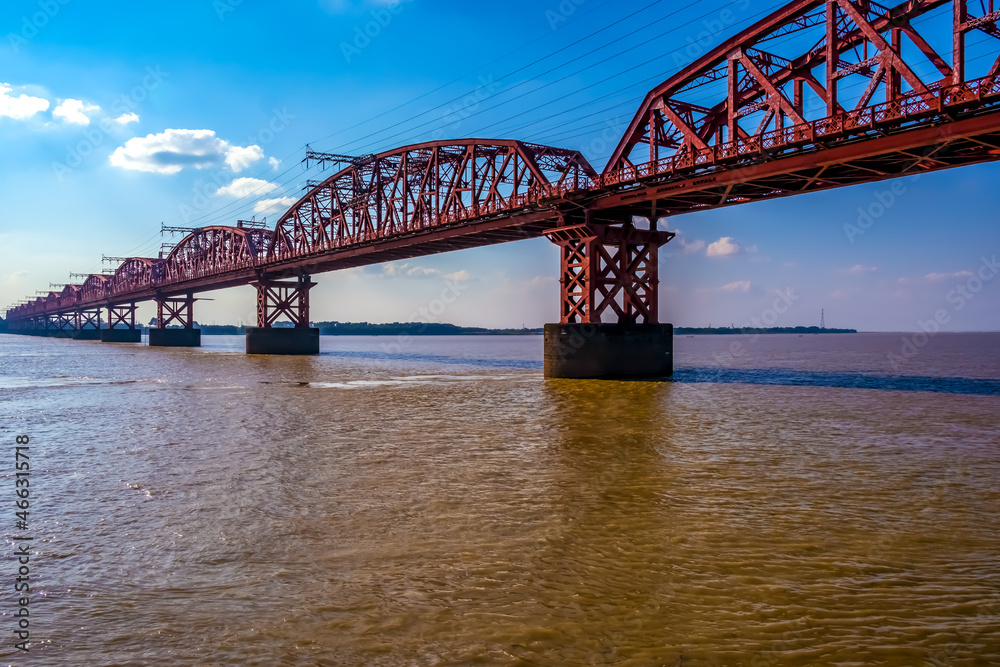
<point x="769" y="113"/>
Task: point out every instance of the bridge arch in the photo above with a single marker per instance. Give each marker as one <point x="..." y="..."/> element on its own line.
<point x="422" y="186"/>
<point x="215" y="250"/>
<point x="69" y="296"/>
<point x="94" y="288"/>
<point x="136" y="274"/>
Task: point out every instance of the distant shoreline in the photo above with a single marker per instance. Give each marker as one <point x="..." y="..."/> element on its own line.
<point x="730" y="331"/>
<point x="435" y="329"/>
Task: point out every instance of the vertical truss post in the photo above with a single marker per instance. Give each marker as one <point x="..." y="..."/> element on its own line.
<point x="606" y="268"/>
<point x="283" y="298"/>
<point x="732" y="89"/>
<point x="961" y="15"/>
<point x="832" y="57"/>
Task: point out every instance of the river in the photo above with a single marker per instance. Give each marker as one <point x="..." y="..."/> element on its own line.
<point x="802" y="501"/>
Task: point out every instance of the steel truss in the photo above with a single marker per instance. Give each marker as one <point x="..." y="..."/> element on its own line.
<point x="423" y="187"/>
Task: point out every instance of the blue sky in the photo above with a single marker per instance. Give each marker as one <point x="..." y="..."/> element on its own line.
<point x="88" y="96"/>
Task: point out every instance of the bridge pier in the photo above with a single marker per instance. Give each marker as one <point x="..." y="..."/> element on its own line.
<point x="616" y="268"/>
<point x="180" y="311"/>
<point x="275" y="299"/>
<point x="124" y="315"/>
<point x="64" y="325"/>
<point x="50" y="326"/>
<point x="87" y="324"/>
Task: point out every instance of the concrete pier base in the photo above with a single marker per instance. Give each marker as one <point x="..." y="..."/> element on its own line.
<point x="175" y="337"/>
<point x="599" y="351"/>
<point x="121" y="335"/>
<point x="86" y="334"/>
<point x="282" y="341"/>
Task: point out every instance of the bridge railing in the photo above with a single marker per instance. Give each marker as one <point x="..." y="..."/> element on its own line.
<point x="910" y="107"/>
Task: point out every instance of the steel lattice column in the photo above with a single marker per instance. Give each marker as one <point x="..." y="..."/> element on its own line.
<point x="122" y="315"/>
<point x="88" y="319"/>
<point x="612" y="268"/>
<point x="289" y="298"/>
<point x="176" y="310"/>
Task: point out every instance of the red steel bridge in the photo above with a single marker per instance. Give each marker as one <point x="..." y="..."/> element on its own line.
<point x="820" y="94"/>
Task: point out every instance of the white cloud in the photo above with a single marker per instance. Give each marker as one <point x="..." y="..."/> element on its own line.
<point x="239" y="158"/>
<point x="694" y="246"/>
<point x="725" y="247"/>
<point x="688" y="247"/>
<point x="274" y="205"/>
<point x="15" y="278"/>
<point x="172" y="150"/>
<point x="739" y="286"/>
<point x="464" y="276"/>
<point x="938" y="277"/>
<point x="75" y="111"/>
<point x="407" y="270"/>
<point x="127" y="118"/>
<point x="274" y="162"/>
<point x="343" y="6"/>
<point x="21" y="107"/>
<point x="242" y="187"/>
<point x="860" y="270"/>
